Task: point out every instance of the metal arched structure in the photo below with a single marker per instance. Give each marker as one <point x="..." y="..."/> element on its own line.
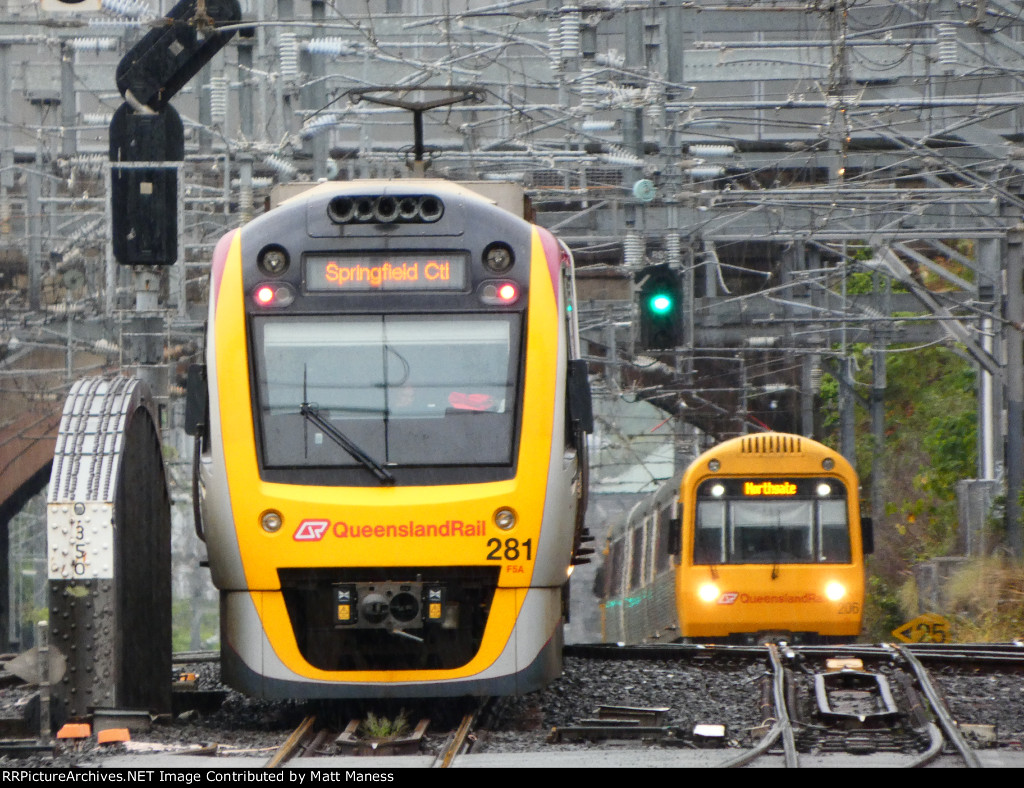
<point x="109" y="552"/>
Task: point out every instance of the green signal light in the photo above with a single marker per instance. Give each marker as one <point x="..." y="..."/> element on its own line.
<point x="660" y="303"/>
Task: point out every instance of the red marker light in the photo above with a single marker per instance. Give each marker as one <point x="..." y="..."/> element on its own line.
<point x="499" y="293"/>
<point x="274" y="296"/>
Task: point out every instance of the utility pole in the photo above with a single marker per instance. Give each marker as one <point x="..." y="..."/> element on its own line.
<point x="1014" y="388"/>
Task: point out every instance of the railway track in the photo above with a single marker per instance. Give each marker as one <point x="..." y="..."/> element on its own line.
<point x="825" y="699"/>
<point x="312" y="742"/>
<point x="711" y="706"/>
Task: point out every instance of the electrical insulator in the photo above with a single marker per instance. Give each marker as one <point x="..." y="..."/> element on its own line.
<point x="314" y="126"/>
<point x="707" y="151"/>
<point x="131" y="8"/>
<point x="633" y="249"/>
<point x="280" y="166"/>
<point x="569" y="33"/>
<point x="288" y="52"/>
<point x="93" y="44"/>
<point x="218" y="99"/>
<point x="617" y="155"/>
<point x="331" y="45"/>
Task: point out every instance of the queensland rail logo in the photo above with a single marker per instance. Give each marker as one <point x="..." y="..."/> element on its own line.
<point x="311" y="530"/>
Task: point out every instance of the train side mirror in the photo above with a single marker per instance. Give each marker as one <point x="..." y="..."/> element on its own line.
<point x="196" y="400"/>
<point x="581" y="409"/>
<point x="867" y="534"/>
<point x="675" y="536"/>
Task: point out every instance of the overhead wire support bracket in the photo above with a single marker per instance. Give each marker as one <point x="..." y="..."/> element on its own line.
<point x="456" y="95"/>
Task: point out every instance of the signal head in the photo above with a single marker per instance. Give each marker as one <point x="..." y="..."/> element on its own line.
<point x="660" y="296"/>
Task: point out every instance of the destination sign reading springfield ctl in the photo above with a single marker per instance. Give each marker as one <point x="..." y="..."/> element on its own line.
<point x="385" y="271"/>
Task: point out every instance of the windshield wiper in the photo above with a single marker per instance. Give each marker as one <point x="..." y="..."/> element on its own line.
<point x="312" y="414"/>
<point x="778" y="547"/>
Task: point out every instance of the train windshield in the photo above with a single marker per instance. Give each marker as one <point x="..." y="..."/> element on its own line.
<point x="400" y="390"/>
<point x="798" y="529"/>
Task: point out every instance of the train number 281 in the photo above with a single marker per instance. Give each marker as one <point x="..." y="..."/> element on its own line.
<point x="510" y="549"/>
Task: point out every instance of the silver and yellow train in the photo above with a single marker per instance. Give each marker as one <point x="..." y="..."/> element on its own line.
<point x="391" y="473"/>
<point x="760" y="538"/>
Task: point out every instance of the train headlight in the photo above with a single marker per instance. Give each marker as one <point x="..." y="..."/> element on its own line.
<point x="824" y="490"/>
<point x="271" y="521"/>
<point x="708" y="592"/>
<point x="273" y="260"/>
<point x="718" y="490"/>
<point x="505" y="518"/>
<point x="498" y="258"/>
<point x="835" y="591"/>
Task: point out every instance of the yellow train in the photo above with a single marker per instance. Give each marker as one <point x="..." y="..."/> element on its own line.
<point x="760" y="538"/>
<point x="391" y="421"/>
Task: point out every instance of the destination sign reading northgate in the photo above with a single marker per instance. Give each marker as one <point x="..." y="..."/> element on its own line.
<point x="364" y="272"/>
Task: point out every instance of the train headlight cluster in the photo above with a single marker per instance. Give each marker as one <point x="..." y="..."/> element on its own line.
<point x="835" y="591"/>
<point x="501" y="292"/>
<point x="269" y="295"/>
<point x="389" y="605"/>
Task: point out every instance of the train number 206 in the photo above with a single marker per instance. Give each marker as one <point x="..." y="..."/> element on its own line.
<point x="509" y="549"/>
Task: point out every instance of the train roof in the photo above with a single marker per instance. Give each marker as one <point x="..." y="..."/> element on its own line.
<point x="506" y="195"/>
<point x="769" y="445"/>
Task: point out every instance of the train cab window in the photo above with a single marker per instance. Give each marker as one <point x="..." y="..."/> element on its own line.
<point x="709" y="534"/>
<point x="765" y="532"/>
<point x="807" y="526"/>
<point x="835" y="536"/>
<point x="406" y="390"/>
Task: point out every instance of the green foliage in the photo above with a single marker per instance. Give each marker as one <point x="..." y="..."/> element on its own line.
<point x="930" y="443"/>
<point x="374" y="727"/>
<point x="865" y="283"/>
<point x="931" y="420"/>
<point x="859" y="283"/>
<point x="185" y="619"/>
<point x="951" y="443"/>
<point x="829" y="403"/>
<point x="882" y="610"/>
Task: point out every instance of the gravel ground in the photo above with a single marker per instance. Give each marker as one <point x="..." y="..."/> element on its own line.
<point x="726" y="693"/>
<point x="982" y="697"/>
<point x="244" y="726"/>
